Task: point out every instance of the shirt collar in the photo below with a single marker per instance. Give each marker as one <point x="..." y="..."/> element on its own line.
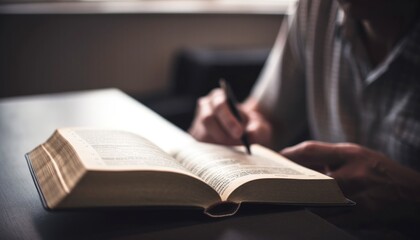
<point x="408" y="48"/>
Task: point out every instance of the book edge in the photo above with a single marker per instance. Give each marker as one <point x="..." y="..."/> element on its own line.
<point x="35" y="180"/>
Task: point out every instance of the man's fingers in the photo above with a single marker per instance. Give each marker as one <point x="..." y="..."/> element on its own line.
<point x="312" y="153"/>
<point x="258" y="129"/>
<point x="215" y="122"/>
<point x="206" y="126"/>
<point x="224" y="115"/>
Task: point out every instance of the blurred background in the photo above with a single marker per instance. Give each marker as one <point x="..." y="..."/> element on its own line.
<point x="163" y="53"/>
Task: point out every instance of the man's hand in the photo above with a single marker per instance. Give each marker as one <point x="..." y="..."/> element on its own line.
<point x="354" y="167"/>
<point x="215" y="123"/>
<point x="380" y="186"/>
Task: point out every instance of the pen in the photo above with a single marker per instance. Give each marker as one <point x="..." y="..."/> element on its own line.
<point x="231" y="100"/>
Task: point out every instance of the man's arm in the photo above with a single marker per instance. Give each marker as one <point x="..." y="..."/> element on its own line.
<point x="276" y="107"/>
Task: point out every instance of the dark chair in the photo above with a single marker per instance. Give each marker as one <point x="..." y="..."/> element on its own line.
<point x="196" y="71"/>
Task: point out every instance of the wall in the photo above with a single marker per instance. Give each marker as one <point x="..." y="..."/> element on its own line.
<point x="44" y="53"/>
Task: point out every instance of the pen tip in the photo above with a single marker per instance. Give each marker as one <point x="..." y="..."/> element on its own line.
<point x="248" y="150"/>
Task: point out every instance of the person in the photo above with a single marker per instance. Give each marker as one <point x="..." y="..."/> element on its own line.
<point x="348" y="71"/>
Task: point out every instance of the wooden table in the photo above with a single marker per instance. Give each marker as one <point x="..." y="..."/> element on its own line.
<point x="28" y="121"/>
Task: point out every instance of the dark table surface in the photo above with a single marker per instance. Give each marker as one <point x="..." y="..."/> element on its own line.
<point x="26" y="122"/>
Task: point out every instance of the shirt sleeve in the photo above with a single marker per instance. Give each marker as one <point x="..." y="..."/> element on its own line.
<point x="280" y="89"/>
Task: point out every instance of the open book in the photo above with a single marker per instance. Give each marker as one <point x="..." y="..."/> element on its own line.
<point x="85" y="167"/>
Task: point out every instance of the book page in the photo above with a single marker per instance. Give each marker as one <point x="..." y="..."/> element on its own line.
<point x="104" y="149"/>
<point x="226" y="168"/>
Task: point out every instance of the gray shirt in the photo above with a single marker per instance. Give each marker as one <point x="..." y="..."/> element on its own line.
<point x="319" y="76"/>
